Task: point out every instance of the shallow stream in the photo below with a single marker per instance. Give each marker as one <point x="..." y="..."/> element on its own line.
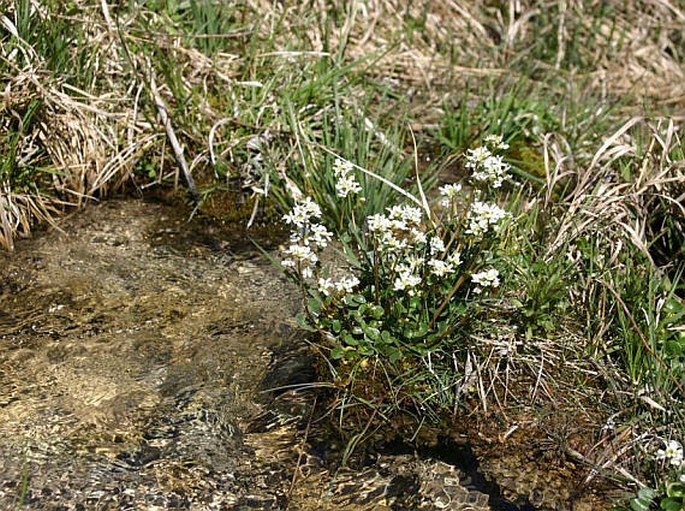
<point x="132" y="345"/>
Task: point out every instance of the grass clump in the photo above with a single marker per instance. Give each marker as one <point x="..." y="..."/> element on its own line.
<point x="442" y="308"/>
<point x="591" y="261"/>
<point x="394" y="324"/>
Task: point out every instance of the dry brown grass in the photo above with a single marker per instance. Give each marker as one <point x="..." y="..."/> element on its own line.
<point x="92" y="136"/>
<point x="636" y="49"/>
<point x="85" y="140"/>
<point x="623" y="206"/>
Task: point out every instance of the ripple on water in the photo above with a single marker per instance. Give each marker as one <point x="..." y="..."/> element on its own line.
<point x="131" y="351"/>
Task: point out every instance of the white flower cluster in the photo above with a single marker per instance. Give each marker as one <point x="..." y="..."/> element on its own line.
<point x="476" y="157"/>
<point x="344" y="285"/>
<point x="300" y="255"/>
<point x="488" y="167"/>
<point x="302" y="213"/>
<point x="441" y="268"/>
<point x="449" y="194"/>
<point x="496" y="142"/>
<point x="402" y="243"/>
<point x="305" y="234"/>
<point x="409" y="214"/>
<point x="318" y="235"/>
<point x="396" y="231"/>
<point x="487" y="278"/>
<point x="346" y="182"/>
<point x="308" y="237"/>
<point x="673" y="454"/>
<point x="396" y="235"/>
<point x="483" y="217"/>
<point x="437" y="246"/>
<point x="406" y="280"/>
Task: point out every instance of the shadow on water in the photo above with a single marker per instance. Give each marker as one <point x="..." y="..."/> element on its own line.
<point x="461" y="457"/>
<point x="289" y="391"/>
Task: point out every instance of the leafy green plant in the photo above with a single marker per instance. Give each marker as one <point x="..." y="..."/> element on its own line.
<point x="668" y="497"/>
<point x="643" y="500"/>
<point x="411" y="278"/>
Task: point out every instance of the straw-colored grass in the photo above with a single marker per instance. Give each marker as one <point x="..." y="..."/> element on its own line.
<point x="92" y="133"/>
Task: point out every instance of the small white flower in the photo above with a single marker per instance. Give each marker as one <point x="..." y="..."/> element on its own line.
<point x="307" y="272"/>
<point x="487" y="278"/>
<point x="346" y="284"/>
<point x="302" y="213"/>
<point x="320" y="236"/>
<point x="496" y="142"/>
<point x="399" y="225"/>
<point x="342" y="167"/>
<point x="311" y="208"/>
<point x="450" y="191"/>
<point x="413" y="263"/>
<point x="418" y="237"/>
<point x="302" y="253"/>
<point x="436" y="245"/>
<point x="346" y="185"/>
<point x="682" y="478"/>
<point x="299" y="251"/>
<point x="395" y="212"/>
<point x="410" y="266"/>
<point x="673" y="453"/>
<point x="454" y="258"/>
<point x="493" y="170"/>
<point x="288" y="263"/>
<point x="406" y="281"/>
<point x="482" y="217"/>
<point x="392" y="243"/>
<point x="475" y="157"/>
<point x="325" y="286"/>
<point x="407" y="214"/>
<point x="413" y="215"/>
<point x="404" y="267"/>
<point x="440" y="268"/>
<point x="296" y="217"/>
<point x="495" y="164"/>
<point x="378" y="223"/>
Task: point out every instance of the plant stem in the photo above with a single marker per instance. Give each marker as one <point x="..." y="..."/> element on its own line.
<point x="457" y="285"/>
